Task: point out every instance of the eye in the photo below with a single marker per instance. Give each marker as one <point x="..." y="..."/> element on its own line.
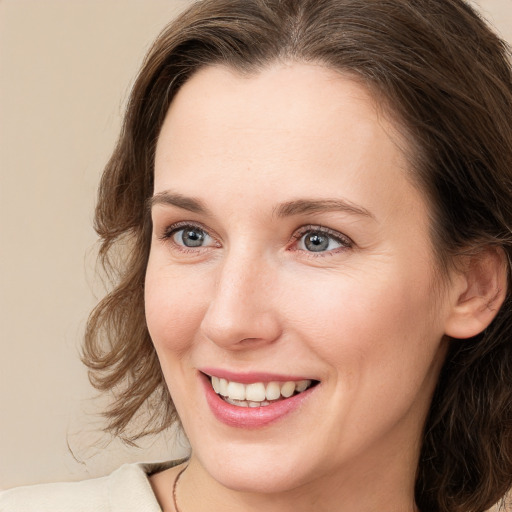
<point x="318" y="240"/>
<point x="188" y="236"/>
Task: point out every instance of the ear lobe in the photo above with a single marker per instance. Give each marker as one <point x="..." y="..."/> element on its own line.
<point x="482" y="288"/>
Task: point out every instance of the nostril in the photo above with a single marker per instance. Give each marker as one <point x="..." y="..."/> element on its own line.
<point x="238" y="330"/>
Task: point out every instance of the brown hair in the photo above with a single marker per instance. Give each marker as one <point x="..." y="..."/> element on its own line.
<point x="447" y="77"/>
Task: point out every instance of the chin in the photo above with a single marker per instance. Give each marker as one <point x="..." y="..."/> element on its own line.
<point x="258" y="468"/>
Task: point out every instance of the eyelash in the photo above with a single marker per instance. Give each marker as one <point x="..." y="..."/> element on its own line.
<point x="171" y="230"/>
<point x="343" y="240"/>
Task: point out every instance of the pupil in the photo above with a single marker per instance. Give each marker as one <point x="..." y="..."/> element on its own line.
<point x="193" y="238"/>
<point x="316" y="242"/>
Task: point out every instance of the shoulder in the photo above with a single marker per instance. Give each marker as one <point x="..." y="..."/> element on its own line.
<point x="125" y="490"/>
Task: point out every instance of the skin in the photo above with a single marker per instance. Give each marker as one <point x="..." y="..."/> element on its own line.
<point x="366" y="317"/>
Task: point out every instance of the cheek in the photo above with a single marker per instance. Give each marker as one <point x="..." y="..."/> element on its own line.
<point x="355" y="322"/>
<point x="374" y="335"/>
<point x="175" y="303"/>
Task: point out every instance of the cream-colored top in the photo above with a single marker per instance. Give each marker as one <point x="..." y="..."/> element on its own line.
<point x="125" y="490"/>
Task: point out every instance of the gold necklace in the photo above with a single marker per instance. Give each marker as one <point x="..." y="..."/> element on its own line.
<point x="174" y="487"/>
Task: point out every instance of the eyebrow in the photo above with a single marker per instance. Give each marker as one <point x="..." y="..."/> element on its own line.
<point x="308" y="206"/>
<point x="287" y="209"/>
<point x="173" y="199"/>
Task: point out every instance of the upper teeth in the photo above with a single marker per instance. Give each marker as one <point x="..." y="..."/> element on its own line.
<point x="258" y="391"/>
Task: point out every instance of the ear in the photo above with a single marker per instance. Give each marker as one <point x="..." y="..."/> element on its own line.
<point x="479" y="290"/>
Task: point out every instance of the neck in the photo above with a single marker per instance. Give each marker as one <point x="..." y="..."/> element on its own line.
<point x="357" y="488"/>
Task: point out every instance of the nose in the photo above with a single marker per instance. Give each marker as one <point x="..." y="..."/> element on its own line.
<point x="243" y="312"/>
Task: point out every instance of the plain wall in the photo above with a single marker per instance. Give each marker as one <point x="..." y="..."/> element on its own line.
<point x="66" y="67"/>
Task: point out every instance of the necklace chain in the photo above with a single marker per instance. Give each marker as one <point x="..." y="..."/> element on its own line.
<point x="174" y="487"/>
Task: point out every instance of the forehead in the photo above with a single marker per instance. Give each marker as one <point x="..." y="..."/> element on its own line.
<point x="302" y="102"/>
<point x="287" y="129"/>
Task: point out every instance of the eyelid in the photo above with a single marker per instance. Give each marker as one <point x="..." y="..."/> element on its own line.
<point x="343" y="239"/>
<point x="170" y="230"/>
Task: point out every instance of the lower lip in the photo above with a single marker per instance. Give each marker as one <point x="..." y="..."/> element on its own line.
<point x="251" y="417"/>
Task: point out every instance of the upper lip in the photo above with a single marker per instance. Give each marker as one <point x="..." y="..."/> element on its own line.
<point x="251" y="377"/>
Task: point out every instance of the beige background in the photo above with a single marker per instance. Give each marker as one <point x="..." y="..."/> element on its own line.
<point x="65" y="71"/>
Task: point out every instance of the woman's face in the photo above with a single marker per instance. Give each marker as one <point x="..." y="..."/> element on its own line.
<point x="290" y="246"/>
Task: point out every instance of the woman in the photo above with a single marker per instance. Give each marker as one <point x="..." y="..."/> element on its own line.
<point x="316" y="199"/>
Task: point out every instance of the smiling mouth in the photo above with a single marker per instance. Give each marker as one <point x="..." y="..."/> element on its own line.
<point x="258" y="394"/>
